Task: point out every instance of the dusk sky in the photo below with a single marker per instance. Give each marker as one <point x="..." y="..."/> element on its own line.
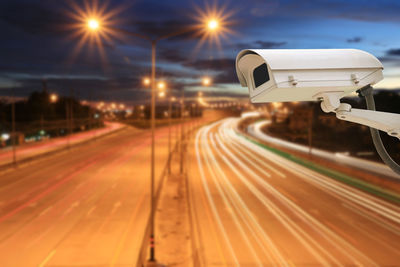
<point x="38" y="42"/>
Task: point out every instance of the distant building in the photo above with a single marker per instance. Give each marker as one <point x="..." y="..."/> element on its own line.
<point x="330" y="120"/>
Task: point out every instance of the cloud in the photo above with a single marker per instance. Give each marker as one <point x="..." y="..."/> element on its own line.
<point x="393" y="52"/>
<point x="172" y="55"/>
<point x="260" y="44"/>
<point x="36" y="18"/>
<point x="217" y="64"/>
<point x="355" y="40"/>
<point x="269" y="44"/>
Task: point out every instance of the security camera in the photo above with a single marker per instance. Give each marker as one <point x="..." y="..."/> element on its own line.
<point x="302" y="74"/>
<point x="326" y="75"/>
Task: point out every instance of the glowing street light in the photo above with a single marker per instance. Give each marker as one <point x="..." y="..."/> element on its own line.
<point x="53" y="98"/>
<point x="206" y="81"/>
<point x="212" y="24"/>
<point x="146" y="81"/>
<point x="161" y="94"/>
<point x="93" y="24"/>
<point x="161" y="85"/>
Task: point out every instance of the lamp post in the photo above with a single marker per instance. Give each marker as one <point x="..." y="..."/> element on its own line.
<point x="13" y="135"/>
<point x="212" y="26"/>
<point x="182" y="130"/>
<point x="171" y="99"/>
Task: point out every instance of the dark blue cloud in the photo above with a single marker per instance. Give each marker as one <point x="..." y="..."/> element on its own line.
<point x="36" y="45"/>
<point x="354" y="40"/>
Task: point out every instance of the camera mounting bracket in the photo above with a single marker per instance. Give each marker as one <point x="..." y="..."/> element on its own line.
<point x="384" y="121"/>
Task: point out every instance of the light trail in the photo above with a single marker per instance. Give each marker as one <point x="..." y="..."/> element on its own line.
<point x="226" y="202"/>
<point x="228" y="156"/>
<point x="362" y="164"/>
<point x="213" y="207"/>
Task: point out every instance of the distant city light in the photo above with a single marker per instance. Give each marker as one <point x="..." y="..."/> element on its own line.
<point x="161" y="85"/>
<point x="5" y="136"/>
<point x="53" y="98"/>
<point x="161" y="94"/>
<point x="206" y="81"/>
<point x="146" y="81"/>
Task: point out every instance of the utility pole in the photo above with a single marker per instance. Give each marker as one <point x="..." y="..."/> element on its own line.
<point x="67" y="120"/>
<point x="169" y="133"/>
<point x="152" y="258"/>
<point x="71" y="112"/>
<point x="182" y="130"/>
<point x="90" y="110"/>
<point x="310" y="126"/>
<point x="13" y="128"/>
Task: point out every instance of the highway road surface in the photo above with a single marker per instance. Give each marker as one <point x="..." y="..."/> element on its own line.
<point x="83" y="207"/>
<point x="251" y="207"/>
<point x="34" y="149"/>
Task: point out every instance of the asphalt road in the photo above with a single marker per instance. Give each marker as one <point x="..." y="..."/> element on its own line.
<point x="251" y="207"/>
<point x="31" y="150"/>
<point x="84" y="207"/>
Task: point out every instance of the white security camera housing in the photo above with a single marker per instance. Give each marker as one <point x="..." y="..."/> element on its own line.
<point x="325" y="75"/>
<point x="281" y="75"/>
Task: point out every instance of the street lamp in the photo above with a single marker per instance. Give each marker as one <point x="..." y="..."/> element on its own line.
<point x="206" y="81"/>
<point x="93" y="24"/>
<point x="161" y="85"/>
<point x="146" y="81"/>
<point x="161" y="94"/>
<point x="212" y="24"/>
<point x="53" y="98"/>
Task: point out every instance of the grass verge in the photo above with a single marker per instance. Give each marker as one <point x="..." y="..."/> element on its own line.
<point x="344" y="178"/>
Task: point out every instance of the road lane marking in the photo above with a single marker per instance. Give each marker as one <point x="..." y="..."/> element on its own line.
<point x="122" y="241"/>
<point x="90" y="211"/>
<point x="48" y="258"/>
<point x="45" y="211"/>
<point x="73" y="205"/>
<point x="116" y="206"/>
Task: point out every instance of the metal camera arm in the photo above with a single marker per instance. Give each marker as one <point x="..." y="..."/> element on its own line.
<point x="376" y="120"/>
<point x="384" y="121"/>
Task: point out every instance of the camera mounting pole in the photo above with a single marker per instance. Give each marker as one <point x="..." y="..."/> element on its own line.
<point x="384" y="121"/>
